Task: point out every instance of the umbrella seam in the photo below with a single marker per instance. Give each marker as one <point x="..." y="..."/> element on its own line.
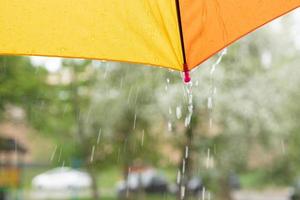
<point x="185" y="67"/>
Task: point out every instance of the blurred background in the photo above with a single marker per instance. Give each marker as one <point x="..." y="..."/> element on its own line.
<point x="81" y="129"/>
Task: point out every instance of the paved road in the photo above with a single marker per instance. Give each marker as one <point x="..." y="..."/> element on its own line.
<point x="282" y="194"/>
<point x="272" y="194"/>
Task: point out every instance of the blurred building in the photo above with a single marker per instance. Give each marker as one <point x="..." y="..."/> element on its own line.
<point x="14" y="126"/>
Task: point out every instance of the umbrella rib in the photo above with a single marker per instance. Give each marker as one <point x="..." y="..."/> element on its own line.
<point x="180" y="30"/>
<point x="185" y="66"/>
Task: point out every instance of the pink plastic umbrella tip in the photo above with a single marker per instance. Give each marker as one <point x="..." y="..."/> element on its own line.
<point x="187" y="77"/>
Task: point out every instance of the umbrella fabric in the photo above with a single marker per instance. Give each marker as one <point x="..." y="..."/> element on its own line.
<point x="211" y="25"/>
<point x="177" y="34"/>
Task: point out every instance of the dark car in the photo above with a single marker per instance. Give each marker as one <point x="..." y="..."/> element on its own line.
<point x="194" y="186"/>
<point x="234" y="181"/>
<point x="149" y="181"/>
<point x="3" y="195"/>
<point x="295" y="193"/>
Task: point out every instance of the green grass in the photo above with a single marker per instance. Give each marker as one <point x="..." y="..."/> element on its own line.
<point x="253" y="180"/>
<point x="107" y="180"/>
<point x="109" y="177"/>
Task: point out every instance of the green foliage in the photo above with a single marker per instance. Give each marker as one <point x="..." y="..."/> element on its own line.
<point x="21" y="83"/>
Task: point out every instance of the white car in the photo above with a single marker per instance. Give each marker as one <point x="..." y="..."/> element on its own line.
<point x="61" y="183"/>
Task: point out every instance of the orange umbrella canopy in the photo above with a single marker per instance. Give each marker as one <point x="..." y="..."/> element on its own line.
<point x="177" y="34"/>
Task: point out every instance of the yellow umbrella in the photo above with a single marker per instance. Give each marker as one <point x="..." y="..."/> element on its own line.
<point x="177" y="34"/>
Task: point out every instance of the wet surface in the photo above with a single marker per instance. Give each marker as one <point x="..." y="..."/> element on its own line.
<point x="282" y="194"/>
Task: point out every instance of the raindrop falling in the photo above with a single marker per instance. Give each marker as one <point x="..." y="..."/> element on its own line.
<point x="203" y="193"/>
<point x="167" y="85"/>
<point x="190" y="103"/>
<point x="186" y="152"/>
<point x="60" y="152"/>
<point x="210" y="122"/>
<point x="92" y="154"/>
<point x="170" y="126"/>
<point x="213" y="89"/>
<point x="182" y="192"/>
<point x="53" y="154"/>
<point x="129" y="95"/>
<point x="178" y="112"/>
<point x="134" y="121"/>
<point x="105" y="72"/>
<point x="222" y="54"/>
<point x="143" y="137"/>
<point x="187" y="121"/>
<point x="136" y="95"/>
<point x="127" y="192"/>
<point x="208" y="159"/>
<point x="118" y="156"/>
<point x="183" y="166"/>
<point x="127" y="187"/>
<point x="208" y="196"/>
<point x="99" y="136"/>
<point x="178" y="177"/>
<point x="209" y="103"/>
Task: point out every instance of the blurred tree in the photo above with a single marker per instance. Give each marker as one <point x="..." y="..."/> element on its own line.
<point x="78" y="89"/>
<point x="124" y="108"/>
<point x="242" y="106"/>
<point x="21" y="83"/>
